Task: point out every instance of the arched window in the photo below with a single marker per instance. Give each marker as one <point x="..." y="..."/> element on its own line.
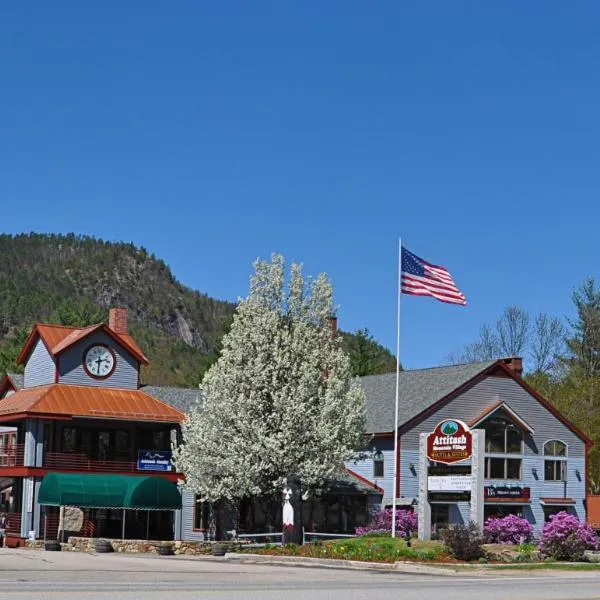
<point x="555" y="461"/>
<point x="378" y="463"/>
<point x="502" y="437"/>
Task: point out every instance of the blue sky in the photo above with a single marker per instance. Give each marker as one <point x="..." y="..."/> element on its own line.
<point x="215" y="132"/>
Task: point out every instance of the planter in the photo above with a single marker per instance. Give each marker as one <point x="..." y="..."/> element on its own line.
<point x="52" y="545"/>
<point x="103" y="546"/>
<point x="165" y="550"/>
<point x="219" y="550"/>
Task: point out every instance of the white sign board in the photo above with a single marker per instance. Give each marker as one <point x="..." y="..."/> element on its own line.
<point x="449" y="483"/>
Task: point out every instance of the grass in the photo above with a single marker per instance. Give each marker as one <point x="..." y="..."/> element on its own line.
<point x="367" y="548"/>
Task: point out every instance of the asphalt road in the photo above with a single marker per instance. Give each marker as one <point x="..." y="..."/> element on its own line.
<point x="58" y="575"/>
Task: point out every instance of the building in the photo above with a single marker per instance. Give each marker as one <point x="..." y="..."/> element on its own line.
<point x="535" y="460"/>
<point x="78" y="415"/>
<point x="78" y="432"/>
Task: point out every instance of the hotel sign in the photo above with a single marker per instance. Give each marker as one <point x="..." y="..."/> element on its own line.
<point x="450" y="442"/>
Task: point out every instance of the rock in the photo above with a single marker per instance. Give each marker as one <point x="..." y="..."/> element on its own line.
<point x="592" y="556"/>
<point x="502" y="552"/>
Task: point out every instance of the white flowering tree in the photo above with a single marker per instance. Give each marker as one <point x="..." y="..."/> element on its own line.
<point x="280" y="399"/>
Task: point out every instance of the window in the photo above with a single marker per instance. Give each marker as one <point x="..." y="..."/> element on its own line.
<point x="69" y="439"/>
<point x="159" y="440"/>
<point x="502" y="437"/>
<point x="103" y="445"/>
<point x="502" y="468"/>
<point x="555" y="468"/>
<point x="378" y="463"/>
<point x="553" y="510"/>
<point x="200" y="514"/>
<point x="495" y="511"/>
<point x="122" y="444"/>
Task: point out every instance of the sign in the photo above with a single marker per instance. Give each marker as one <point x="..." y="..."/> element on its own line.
<point x="449" y="483"/>
<point x="505" y="492"/>
<point x="452" y="497"/>
<point x="450" y="442"/>
<point x="155" y="460"/>
<point x="449" y="470"/>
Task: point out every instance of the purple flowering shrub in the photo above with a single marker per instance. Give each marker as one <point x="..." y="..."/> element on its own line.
<point x="406" y="523"/>
<point x="565" y="537"/>
<point x="507" y="530"/>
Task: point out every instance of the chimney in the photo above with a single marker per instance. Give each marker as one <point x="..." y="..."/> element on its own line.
<point x="515" y="364"/>
<point x="117" y="320"/>
<point x="333" y="324"/>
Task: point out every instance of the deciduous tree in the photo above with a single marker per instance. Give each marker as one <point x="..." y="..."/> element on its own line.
<point x="281" y="399"/>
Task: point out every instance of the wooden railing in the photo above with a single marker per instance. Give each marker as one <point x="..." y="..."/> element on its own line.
<point x="12" y="456"/>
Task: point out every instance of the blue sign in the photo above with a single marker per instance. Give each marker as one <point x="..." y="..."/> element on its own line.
<point x="155" y="460"/>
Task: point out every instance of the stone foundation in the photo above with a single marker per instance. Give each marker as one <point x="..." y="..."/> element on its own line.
<point x="81" y="544"/>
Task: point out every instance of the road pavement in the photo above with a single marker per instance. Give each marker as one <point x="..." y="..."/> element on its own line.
<point x="43" y="575"/>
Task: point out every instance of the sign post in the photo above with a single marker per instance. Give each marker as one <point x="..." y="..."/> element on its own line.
<point x="451" y="442"/>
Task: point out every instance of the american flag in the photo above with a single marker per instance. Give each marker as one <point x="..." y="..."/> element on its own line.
<point x="421" y="278"/>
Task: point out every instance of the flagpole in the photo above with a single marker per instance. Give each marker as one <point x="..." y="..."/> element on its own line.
<point x="395" y="484"/>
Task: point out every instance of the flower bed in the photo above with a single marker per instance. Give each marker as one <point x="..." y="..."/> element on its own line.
<point x="372" y="548"/>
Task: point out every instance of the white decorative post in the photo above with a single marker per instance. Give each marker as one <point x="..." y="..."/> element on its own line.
<point x="477" y="476"/>
<point x="424" y="514"/>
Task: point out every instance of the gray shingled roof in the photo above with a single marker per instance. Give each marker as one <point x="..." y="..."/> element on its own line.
<point x="183" y="399"/>
<point x="17" y="379"/>
<point x="345" y="483"/>
<point x="418" y="390"/>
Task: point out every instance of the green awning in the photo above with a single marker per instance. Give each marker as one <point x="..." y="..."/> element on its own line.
<point x="109" y="491"/>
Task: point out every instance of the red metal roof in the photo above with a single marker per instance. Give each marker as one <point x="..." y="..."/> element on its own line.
<point x="58" y="338"/>
<point x="62" y="400"/>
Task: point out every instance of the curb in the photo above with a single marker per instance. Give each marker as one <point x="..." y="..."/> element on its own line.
<point x="333" y="563"/>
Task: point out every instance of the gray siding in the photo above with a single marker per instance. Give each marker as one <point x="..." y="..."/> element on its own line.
<point x="71" y="369"/>
<point x="364" y="468"/>
<point x="40" y="368"/>
<point x="187" y="516"/>
<point x="469" y="406"/>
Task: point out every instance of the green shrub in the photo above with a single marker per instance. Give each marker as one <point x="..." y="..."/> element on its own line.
<point x="464" y="542"/>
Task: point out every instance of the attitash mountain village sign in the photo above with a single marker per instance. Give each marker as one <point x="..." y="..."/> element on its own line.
<point x="450" y="442"/>
<point x="454" y="485"/>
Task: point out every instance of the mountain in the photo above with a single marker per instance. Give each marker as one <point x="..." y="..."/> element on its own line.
<point x="74" y="280"/>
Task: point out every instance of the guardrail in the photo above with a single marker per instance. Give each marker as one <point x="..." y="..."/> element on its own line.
<point x="315" y="535"/>
<point x="255" y="536"/>
<point x="307" y="536"/>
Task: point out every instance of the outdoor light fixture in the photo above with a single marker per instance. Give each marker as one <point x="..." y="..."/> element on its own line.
<point x="534" y="471"/>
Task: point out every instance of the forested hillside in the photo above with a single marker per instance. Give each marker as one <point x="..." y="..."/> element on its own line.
<point x="74" y="280"/>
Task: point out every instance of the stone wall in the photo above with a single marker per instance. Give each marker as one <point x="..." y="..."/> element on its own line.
<point x="81" y="544"/>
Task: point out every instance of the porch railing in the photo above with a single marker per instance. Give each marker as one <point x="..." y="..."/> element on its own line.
<point x="13" y="523"/>
<point x="81" y="462"/>
<point x="12" y="456"/>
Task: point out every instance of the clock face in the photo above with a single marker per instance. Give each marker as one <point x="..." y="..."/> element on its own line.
<point x="99" y="361"/>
